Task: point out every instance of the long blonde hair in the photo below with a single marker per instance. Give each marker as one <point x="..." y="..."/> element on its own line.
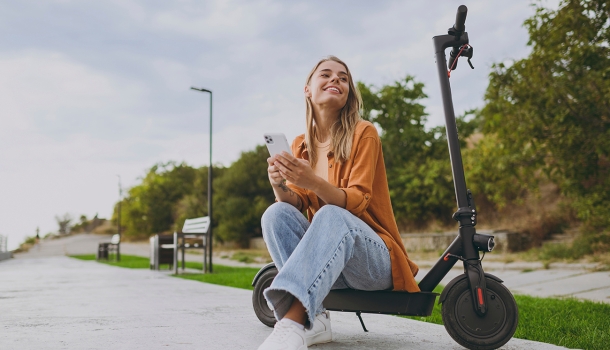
<point x="342" y="131"/>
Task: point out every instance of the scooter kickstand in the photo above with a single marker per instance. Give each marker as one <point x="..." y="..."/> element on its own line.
<point x="361" y="322"/>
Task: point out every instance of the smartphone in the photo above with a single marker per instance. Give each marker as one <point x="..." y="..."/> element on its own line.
<point x="277" y="143"/>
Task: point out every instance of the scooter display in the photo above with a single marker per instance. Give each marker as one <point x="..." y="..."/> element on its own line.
<point x="478" y="311"/>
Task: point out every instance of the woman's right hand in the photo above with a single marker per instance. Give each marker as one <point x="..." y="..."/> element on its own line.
<point x="275" y="178"/>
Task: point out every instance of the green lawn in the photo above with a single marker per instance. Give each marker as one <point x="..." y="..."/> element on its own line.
<point x="570" y="323"/>
<point x="239" y="277"/>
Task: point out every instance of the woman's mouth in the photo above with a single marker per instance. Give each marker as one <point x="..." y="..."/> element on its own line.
<point x="332" y="89"/>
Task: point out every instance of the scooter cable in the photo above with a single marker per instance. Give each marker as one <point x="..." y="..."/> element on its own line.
<point x="456" y="58"/>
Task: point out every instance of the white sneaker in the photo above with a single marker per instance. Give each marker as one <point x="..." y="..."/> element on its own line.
<point x="286" y="336"/>
<point x="321" y="332"/>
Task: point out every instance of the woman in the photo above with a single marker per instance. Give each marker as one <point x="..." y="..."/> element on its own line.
<point x="351" y="240"/>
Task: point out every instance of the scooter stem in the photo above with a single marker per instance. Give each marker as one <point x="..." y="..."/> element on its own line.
<point x="441" y="43"/>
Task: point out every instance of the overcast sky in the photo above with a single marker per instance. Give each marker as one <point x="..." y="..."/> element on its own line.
<point x="94" y="89"/>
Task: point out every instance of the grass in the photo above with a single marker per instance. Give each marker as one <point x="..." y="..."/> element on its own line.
<point x="128" y="261"/>
<point x="238" y="277"/>
<point x="564" y="322"/>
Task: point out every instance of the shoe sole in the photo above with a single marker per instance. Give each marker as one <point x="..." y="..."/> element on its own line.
<point x="320" y="338"/>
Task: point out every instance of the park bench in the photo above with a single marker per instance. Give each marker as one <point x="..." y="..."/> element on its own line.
<point x="104" y="249"/>
<point x="193" y="236"/>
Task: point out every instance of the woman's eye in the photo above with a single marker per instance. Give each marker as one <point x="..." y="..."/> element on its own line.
<point x="344" y="79"/>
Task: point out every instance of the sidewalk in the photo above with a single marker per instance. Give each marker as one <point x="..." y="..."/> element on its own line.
<point x="53" y="302"/>
<point x="530" y="278"/>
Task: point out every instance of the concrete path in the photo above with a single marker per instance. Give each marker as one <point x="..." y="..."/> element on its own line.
<point x="51" y="301"/>
<point x="64" y="303"/>
<point x="530" y="278"/>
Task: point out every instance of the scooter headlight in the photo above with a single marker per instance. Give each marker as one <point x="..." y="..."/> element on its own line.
<point x="484" y="243"/>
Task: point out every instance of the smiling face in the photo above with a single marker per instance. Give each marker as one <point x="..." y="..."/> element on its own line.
<point x="328" y="87"/>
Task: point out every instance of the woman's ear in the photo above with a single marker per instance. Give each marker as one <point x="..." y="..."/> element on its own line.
<point x="306" y="91"/>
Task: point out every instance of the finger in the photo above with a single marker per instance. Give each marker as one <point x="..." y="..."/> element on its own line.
<point x="288" y="159"/>
<point x="287" y="176"/>
<point x="282" y="168"/>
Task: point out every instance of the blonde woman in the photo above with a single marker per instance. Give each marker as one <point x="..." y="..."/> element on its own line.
<point x="351" y="240"/>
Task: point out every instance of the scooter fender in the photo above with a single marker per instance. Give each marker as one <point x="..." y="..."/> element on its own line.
<point x="459" y="278"/>
<point x="269" y="266"/>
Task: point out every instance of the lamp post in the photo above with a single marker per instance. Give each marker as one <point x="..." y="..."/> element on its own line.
<point x="118" y="248"/>
<point x="209" y="235"/>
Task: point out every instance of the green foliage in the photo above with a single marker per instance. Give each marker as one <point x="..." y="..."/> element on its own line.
<point x="171" y="193"/>
<point x="550" y="111"/>
<point x="583" y="245"/>
<point x="241" y="197"/>
<point x="417" y="160"/>
<point x="149" y="207"/>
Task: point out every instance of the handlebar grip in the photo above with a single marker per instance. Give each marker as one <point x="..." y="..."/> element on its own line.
<point x="460" y="18"/>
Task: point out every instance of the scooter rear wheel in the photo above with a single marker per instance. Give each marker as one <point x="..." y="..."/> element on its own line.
<point x="261" y="309"/>
<point x="472" y="331"/>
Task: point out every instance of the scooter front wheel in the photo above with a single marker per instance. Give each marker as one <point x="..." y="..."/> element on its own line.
<point x="476" y="332"/>
<point x="261" y="309"/>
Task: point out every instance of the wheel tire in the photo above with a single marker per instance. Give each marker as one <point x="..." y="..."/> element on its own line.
<point x="472" y="331"/>
<point x="261" y="309"/>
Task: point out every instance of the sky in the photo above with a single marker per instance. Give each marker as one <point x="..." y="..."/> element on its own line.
<point x="93" y="91"/>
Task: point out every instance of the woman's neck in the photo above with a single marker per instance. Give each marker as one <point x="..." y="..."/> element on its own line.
<point x="324" y="120"/>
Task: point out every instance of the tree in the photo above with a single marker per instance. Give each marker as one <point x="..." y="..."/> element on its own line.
<point x="417" y="160"/>
<point x="241" y="196"/>
<point x="149" y="207"/>
<point x="64" y="223"/>
<point x="551" y="110"/>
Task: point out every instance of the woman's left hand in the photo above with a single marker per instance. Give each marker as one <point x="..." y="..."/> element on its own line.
<point x="297" y="171"/>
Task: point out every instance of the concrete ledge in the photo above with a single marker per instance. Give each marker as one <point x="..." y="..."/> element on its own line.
<point x="6" y="255"/>
<point x="506" y="241"/>
<point x="257" y="243"/>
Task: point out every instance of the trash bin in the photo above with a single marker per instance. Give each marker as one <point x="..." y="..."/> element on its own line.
<point x="102" y="251"/>
<point x="161" y="251"/>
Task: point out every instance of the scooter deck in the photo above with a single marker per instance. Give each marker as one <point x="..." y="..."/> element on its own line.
<point x="380" y="302"/>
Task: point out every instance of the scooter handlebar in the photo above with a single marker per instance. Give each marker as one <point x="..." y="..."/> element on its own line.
<point x="459" y="26"/>
<point x="460" y="18"/>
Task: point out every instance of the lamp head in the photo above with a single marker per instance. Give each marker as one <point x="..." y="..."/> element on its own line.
<point x="200" y="89"/>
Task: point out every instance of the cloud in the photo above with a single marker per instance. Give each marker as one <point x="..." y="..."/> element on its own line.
<point x="94" y="89"/>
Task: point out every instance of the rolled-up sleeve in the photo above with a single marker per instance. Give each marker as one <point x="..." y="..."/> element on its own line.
<point x="359" y="186"/>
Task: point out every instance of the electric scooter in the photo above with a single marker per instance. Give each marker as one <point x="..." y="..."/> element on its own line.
<point x="478" y="311"/>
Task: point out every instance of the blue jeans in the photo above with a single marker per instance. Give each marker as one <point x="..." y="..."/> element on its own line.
<point x="337" y="250"/>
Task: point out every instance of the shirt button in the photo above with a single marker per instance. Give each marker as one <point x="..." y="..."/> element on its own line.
<point x="330" y="165"/>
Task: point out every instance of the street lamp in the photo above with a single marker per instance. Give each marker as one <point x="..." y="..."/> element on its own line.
<point x="118" y="247"/>
<point x="209" y="235"/>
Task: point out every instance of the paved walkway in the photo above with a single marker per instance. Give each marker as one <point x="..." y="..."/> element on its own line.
<point x="51" y="301"/>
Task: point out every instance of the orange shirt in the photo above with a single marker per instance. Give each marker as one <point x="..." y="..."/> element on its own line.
<point x="363" y="179"/>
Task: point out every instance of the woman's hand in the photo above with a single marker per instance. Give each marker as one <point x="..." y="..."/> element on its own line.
<point x="275" y="178"/>
<point x="297" y="171"/>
